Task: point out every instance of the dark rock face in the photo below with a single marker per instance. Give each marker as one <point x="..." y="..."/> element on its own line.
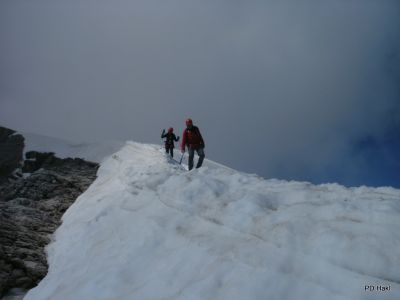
<point x="34" y="160"/>
<point x="11" y="149"/>
<point x="31" y="210"/>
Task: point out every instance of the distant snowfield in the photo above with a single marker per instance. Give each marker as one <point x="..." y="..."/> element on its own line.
<point x="92" y="151"/>
<point x="148" y="229"/>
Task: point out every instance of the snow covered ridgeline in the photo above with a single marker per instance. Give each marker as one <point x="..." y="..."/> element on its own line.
<point x="147" y="229"/>
<point x="91" y="151"/>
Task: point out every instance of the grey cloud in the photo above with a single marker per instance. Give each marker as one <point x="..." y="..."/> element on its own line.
<point x="279" y="88"/>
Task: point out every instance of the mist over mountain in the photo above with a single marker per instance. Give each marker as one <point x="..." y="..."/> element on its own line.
<point x="310" y="88"/>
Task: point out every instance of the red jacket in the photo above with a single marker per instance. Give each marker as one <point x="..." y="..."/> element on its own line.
<point x="191" y="137"/>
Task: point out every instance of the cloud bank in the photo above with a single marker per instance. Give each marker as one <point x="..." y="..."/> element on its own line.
<point x="305" y="90"/>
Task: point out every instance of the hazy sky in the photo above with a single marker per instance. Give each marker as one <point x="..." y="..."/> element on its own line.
<point x="305" y="90"/>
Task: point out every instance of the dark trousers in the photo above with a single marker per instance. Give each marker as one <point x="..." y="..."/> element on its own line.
<point x="200" y="153"/>
<point x="169" y="150"/>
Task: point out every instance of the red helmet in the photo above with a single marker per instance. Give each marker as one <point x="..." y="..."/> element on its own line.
<point x="170" y="130"/>
<point x="189" y="122"/>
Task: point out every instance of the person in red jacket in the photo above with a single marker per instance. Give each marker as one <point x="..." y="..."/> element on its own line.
<point x="192" y="139"/>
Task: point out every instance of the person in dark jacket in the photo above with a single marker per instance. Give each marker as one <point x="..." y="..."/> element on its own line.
<point x="169" y="140"/>
<point x="192" y="139"/>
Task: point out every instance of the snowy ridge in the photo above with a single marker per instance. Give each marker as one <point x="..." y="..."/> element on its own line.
<point x="148" y="229"/>
<point x="91" y="151"/>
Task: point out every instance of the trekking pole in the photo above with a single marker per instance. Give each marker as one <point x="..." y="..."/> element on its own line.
<point x="180" y="162"/>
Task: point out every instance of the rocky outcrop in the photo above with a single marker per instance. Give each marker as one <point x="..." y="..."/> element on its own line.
<point x="11" y="149"/>
<point x="31" y="207"/>
<point x="34" y="160"/>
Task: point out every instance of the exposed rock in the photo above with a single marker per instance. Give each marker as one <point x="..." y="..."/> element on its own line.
<point x="11" y="149"/>
<point x="34" y="160"/>
<point x="31" y="210"/>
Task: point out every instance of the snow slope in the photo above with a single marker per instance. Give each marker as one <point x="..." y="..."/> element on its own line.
<point x="148" y="229"/>
<point x="91" y="151"/>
